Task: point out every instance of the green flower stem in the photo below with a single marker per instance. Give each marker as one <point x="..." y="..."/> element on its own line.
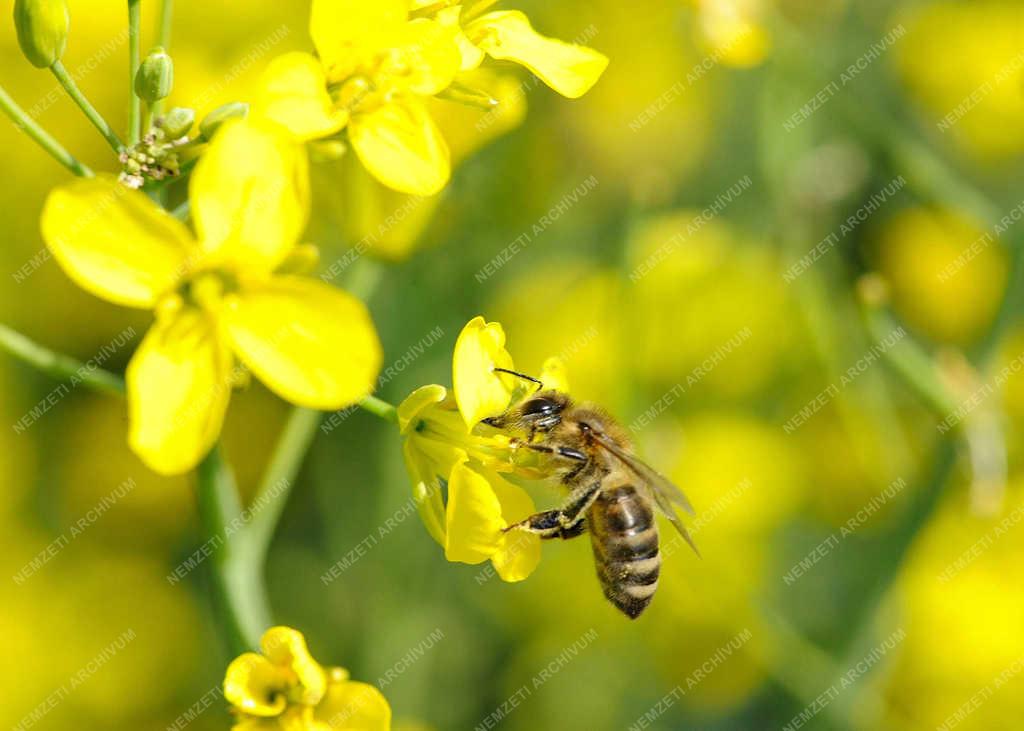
<point x="164" y="41"/>
<point x="134" y="103"/>
<point x="238" y="589"/>
<point x="41" y="136"/>
<point x="90" y="111"/>
<point x="909" y="361"/>
<point x="298" y="433"/>
<point x="163" y="30"/>
<point x="380" y="408"/>
<point x="58" y="365"/>
<point x="245" y="536"/>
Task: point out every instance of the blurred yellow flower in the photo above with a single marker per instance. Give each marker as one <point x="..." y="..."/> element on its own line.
<point x="963" y="63"/>
<point x="961" y="594"/>
<point x="445" y="446"/>
<point x="285" y="688"/>
<point x="734" y="31"/>
<point x="378" y="62"/>
<point x="216" y="295"/>
<point x="946" y="273"/>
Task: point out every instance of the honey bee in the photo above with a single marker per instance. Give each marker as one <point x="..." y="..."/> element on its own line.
<point x="612" y="493"/>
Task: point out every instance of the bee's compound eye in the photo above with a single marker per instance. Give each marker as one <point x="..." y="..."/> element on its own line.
<point x="539" y="407"/>
<point x="584" y="427"/>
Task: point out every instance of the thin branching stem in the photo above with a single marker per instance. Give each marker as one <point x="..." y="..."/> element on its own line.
<point x="43" y="138"/>
<point x="87" y="108"/>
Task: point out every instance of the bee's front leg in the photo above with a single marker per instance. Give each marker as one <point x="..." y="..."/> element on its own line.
<point x="566" y="522"/>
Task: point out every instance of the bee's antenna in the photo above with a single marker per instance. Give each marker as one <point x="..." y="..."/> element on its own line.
<point x="517" y="374"/>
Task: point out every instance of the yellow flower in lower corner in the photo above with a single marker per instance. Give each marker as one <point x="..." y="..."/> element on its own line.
<point x="220" y="295"/>
<point x="285" y="688"/>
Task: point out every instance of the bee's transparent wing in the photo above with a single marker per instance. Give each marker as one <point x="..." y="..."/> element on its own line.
<point x="662" y="489"/>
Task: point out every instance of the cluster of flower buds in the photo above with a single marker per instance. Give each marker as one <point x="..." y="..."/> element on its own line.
<point x="154" y="158"/>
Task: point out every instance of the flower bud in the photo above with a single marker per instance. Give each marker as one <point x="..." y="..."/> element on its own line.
<point x="177" y="122"/>
<point x="42" y="27"/>
<point x="155" y="76"/>
<point x="221" y="114"/>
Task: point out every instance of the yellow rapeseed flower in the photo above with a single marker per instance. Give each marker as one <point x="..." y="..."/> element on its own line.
<point x="285" y="688"/>
<point x="217" y="296"/>
<point x="376" y="64"/>
<point x="444" y="447"/>
<point x="506" y="35"/>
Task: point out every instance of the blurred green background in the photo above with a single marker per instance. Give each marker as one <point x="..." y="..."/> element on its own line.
<point x="904" y="165"/>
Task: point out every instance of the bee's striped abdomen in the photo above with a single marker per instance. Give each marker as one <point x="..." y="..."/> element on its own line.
<point x="625" y="540"/>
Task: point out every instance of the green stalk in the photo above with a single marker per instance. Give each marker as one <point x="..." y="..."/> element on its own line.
<point x="276" y="485"/>
<point x="41" y="136"/>
<point x="134" y="103"/>
<point x="238" y="589"/>
<point x="90" y="111"/>
<point x="163" y="39"/>
<point x="163" y="30"/>
<point x="379" y="408"/>
<point x="909" y="361"/>
<point x="58" y="365"/>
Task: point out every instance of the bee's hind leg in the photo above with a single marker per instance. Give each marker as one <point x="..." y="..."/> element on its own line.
<point x="566" y="522"/>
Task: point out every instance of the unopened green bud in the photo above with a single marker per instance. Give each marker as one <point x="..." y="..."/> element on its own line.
<point x="155" y="76"/>
<point x="213" y="120"/>
<point x="42" y="27"/>
<point x="177" y="122"/>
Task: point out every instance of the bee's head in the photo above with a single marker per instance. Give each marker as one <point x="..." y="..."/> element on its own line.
<point x="540" y="412"/>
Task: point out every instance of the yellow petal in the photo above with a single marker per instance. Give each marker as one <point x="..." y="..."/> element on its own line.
<point x="178" y="384"/>
<point x="293" y="92"/>
<point x="427" y="52"/>
<point x="255" y="685"/>
<point x="286" y="647"/>
<point x="518" y="552"/>
<point x="345" y="30"/>
<point x="115" y="242"/>
<point x="425" y="489"/>
<point x="567" y="68"/>
<point x="470" y="56"/>
<point x="553" y="374"/>
<point x="352" y="706"/>
<point x="401" y="146"/>
<point x="474" y="521"/>
<point x="250" y="195"/>
<point x="417" y="402"/>
<point x="479" y="391"/>
<point x="311" y="343"/>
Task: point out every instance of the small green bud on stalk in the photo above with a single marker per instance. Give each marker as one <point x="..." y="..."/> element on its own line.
<point x="177" y="122"/>
<point x="213" y="120"/>
<point x="42" y="27"/>
<point x="155" y="76"/>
